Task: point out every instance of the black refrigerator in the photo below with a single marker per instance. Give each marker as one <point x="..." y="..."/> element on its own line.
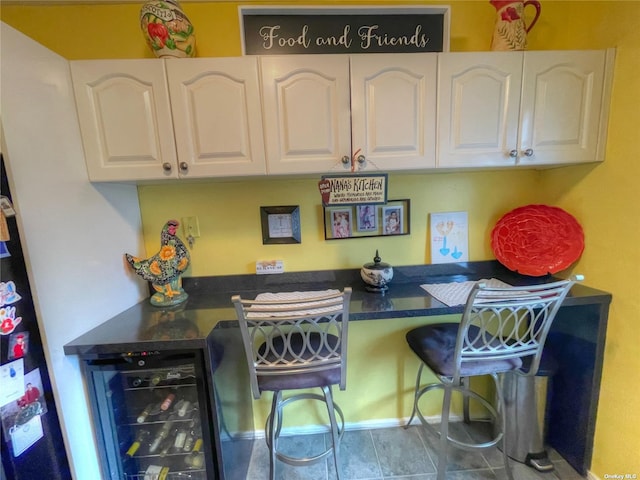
<point x="32" y="442"/>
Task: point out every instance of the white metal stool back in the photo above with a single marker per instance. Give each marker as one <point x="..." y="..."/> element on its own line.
<point x="502" y="330"/>
<point x="295" y="341"/>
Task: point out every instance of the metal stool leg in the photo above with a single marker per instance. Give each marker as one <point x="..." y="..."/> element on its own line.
<point x="335" y="433"/>
<point x="465" y="382"/>
<point x="444" y="433"/>
<point x="502" y="418"/>
<point x="272" y="429"/>
<point x="416" y="396"/>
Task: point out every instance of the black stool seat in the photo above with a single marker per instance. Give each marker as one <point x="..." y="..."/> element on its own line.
<point x="435" y="345"/>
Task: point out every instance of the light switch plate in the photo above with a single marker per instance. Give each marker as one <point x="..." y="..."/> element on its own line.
<point x="191" y="226"/>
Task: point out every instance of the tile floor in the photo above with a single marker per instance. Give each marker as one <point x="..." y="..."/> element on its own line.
<point x="399" y="454"/>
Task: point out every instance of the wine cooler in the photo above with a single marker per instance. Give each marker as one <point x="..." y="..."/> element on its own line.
<point x="154" y="416"/>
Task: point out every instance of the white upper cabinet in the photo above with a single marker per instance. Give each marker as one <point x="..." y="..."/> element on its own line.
<point x="306" y="113"/>
<point x="125" y="119"/>
<point x="522" y="108"/>
<point x="322" y="111"/>
<point x="478" y="108"/>
<point x="217" y="116"/>
<point x="130" y="110"/>
<point x="152" y="119"/>
<point x="561" y="111"/>
<point x="393" y="110"/>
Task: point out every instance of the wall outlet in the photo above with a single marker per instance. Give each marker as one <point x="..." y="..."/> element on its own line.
<point x="191" y="227"/>
<point x="266" y="267"/>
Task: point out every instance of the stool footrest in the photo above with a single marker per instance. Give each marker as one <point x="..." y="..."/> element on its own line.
<point x="300" y="461"/>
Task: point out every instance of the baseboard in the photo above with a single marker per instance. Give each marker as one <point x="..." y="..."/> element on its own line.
<point x="364" y="425"/>
<point x="592" y="476"/>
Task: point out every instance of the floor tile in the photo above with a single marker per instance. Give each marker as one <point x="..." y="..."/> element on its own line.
<point x="485" y="474"/>
<point x="358" y="459"/>
<point x="457" y="459"/>
<point x="298" y="445"/>
<point x="401" y="452"/>
<point x="565" y="471"/>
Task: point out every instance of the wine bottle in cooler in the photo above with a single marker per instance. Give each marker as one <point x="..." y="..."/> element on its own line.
<point x="141" y="438"/>
<point x="162" y="434"/>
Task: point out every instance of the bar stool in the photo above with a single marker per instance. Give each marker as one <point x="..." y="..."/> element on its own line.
<point x="295" y="341"/>
<point x="502" y="331"/>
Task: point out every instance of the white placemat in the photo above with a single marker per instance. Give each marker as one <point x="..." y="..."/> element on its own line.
<point x="287" y="296"/>
<point x="456" y="293"/>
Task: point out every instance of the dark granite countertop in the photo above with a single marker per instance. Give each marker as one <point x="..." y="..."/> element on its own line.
<point x="144" y="327"/>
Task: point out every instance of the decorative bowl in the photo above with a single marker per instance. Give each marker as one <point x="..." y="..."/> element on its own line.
<point x="376" y="275"/>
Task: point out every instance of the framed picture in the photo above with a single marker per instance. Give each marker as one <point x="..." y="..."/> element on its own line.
<point x="280" y="224"/>
<point x="367" y="220"/>
<point x="341" y="222"/>
<point x="392" y="220"/>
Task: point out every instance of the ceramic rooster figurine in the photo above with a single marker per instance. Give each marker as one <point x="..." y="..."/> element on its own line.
<point x="164" y="269"/>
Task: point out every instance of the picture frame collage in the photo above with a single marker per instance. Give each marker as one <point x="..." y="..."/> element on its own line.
<point x="367" y="220"/>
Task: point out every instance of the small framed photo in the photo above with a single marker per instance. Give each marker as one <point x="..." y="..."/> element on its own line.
<point x="367" y="218"/>
<point x="392" y="217"/>
<point x="280" y="224"/>
<point x="341" y="222"/>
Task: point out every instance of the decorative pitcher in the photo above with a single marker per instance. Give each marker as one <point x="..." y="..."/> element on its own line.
<point x="168" y="31"/>
<point x="510" y="32"/>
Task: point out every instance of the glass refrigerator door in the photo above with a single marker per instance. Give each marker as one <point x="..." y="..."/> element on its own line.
<point x="153" y="413"/>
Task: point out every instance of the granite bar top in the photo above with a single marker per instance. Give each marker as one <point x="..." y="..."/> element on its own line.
<point x="144" y="327"/>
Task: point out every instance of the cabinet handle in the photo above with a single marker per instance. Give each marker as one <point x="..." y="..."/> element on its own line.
<point x="166" y="166"/>
<point x="361" y="159"/>
<point x="528" y="152"/>
<point x="345" y="160"/>
<point x="513" y="153"/>
<point x="184" y="166"/>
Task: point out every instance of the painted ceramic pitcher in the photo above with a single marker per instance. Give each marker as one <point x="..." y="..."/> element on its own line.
<point x="510" y="32"/>
<point x="168" y="31"/>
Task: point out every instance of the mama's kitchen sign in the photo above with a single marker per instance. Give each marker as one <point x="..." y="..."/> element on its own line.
<point x="353" y="189"/>
<point x="312" y="30"/>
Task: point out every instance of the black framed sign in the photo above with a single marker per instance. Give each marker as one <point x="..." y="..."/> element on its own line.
<point x="280" y="224"/>
<point x="313" y="30"/>
<point x="353" y="189"/>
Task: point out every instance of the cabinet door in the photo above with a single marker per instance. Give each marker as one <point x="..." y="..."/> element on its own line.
<point x="217" y="116"/>
<point x="561" y="106"/>
<point x="478" y="105"/>
<point x="125" y="119"/>
<point x="306" y="113"/>
<point x="393" y="110"/>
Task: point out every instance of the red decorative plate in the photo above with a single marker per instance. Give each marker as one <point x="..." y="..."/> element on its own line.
<point x="537" y="239"/>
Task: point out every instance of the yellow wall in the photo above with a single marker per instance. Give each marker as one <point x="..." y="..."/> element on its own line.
<point x="604" y="198"/>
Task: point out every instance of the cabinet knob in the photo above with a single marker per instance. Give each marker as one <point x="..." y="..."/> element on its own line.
<point x="345" y="160"/>
<point x="513" y="153"/>
<point x="528" y="152"/>
<point x="361" y="159"/>
<point x="184" y="166"/>
<point x="166" y="166"/>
